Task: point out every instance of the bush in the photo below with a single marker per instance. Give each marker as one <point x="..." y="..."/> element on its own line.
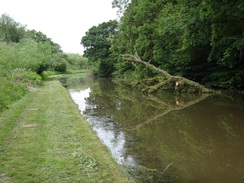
<point x="76" y="61"/>
<point x="59" y="65"/>
<point x="105" y="68"/>
<point x="15" y="85"/>
<point x="10" y="92"/>
<point x="25" y="78"/>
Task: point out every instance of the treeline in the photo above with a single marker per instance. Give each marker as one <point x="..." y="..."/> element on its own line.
<point x="201" y="40"/>
<point x="26" y="56"/>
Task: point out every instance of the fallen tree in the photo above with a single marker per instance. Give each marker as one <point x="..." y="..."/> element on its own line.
<point x="179" y="83"/>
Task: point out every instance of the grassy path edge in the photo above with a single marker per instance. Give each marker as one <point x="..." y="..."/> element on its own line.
<point x="44" y="138"/>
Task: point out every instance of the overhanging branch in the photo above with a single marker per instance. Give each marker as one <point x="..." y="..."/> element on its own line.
<point x="179" y="82"/>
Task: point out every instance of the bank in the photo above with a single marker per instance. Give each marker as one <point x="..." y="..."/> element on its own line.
<point x="44" y="138"/>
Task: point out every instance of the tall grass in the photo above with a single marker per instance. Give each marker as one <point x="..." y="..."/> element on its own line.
<point x="9" y="92"/>
<point x="15" y="78"/>
<point x="20" y="63"/>
<point x="15" y="84"/>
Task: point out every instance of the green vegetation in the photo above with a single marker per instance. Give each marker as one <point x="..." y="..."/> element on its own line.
<point x="14" y="85"/>
<point x="97" y="44"/>
<point x="25" y="57"/>
<point x="76" y="62"/>
<point x="43" y="138"/>
<point x="193" y="39"/>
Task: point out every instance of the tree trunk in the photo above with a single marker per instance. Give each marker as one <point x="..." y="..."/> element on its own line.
<point x="181" y="84"/>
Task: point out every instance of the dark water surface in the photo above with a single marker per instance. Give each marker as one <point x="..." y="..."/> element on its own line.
<point x="181" y="138"/>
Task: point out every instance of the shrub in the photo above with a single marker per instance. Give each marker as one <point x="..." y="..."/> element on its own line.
<point x="26" y="78"/>
<point x="10" y="92"/>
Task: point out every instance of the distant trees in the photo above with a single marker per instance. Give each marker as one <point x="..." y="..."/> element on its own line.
<point x="24" y="55"/>
<point x="42" y="38"/>
<point x="76" y="61"/>
<point x="30" y="49"/>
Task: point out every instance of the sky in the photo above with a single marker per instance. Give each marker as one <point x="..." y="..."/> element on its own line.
<point x="64" y="21"/>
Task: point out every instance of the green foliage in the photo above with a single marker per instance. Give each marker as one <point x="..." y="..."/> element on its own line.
<point x="97" y="43"/>
<point x="25" y="77"/>
<point x="28" y="49"/>
<point x="29" y="54"/>
<point x="40" y="37"/>
<point x="16" y="84"/>
<point x="76" y="61"/>
<point x="121" y="5"/>
<point x="193" y="39"/>
<point x="10" y="31"/>
<point x="24" y="55"/>
<point x="105" y="68"/>
<point x="58" y="63"/>
<point x="9" y="92"/>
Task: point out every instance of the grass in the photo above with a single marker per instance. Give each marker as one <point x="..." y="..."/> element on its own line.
<point x="15" y="85"/>
<point x="43" y="138"/>
<point x="46" y="74"/>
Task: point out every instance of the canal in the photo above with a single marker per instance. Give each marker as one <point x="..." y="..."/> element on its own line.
<point x="166" y="137"/>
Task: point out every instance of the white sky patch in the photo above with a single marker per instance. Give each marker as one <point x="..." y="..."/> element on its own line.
<point x="64" y="21"/>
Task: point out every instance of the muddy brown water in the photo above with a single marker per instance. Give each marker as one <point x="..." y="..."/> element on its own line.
<point x="176" y="138"/>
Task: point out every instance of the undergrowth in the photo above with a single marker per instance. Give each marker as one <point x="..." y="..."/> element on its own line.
<point x="45" y="74"/>
<point x="14" y="85"/>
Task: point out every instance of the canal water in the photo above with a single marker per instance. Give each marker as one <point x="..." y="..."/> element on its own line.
<point x="165" y="137"/>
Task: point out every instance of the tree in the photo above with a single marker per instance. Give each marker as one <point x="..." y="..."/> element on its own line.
<point x="192" y="39"/>
<point x="121" y="5"/>
<point x="10" y="30"/>
<point x="96" y="41"/>
<point x="227" y="41"/>
<point x="40" y="37"/>
<point x="97" y="46"/>
<point x="180" y="84"/>
<point x="75" y="61"/>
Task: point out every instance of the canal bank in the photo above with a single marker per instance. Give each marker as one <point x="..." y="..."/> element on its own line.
<point x="43" y="138"/>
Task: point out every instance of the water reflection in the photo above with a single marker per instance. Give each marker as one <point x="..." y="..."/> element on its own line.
<point x="79" y="97"/>
<point x="105" y="128"/>
<point x="192" y="138"/>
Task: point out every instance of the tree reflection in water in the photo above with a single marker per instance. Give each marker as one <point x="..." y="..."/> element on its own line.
<point x="195" y="138"/>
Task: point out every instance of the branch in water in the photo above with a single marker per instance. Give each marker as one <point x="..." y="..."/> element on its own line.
<point x="179" y="82"/>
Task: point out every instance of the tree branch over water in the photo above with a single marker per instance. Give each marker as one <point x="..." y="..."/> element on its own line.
<point x="181" y="84"/>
